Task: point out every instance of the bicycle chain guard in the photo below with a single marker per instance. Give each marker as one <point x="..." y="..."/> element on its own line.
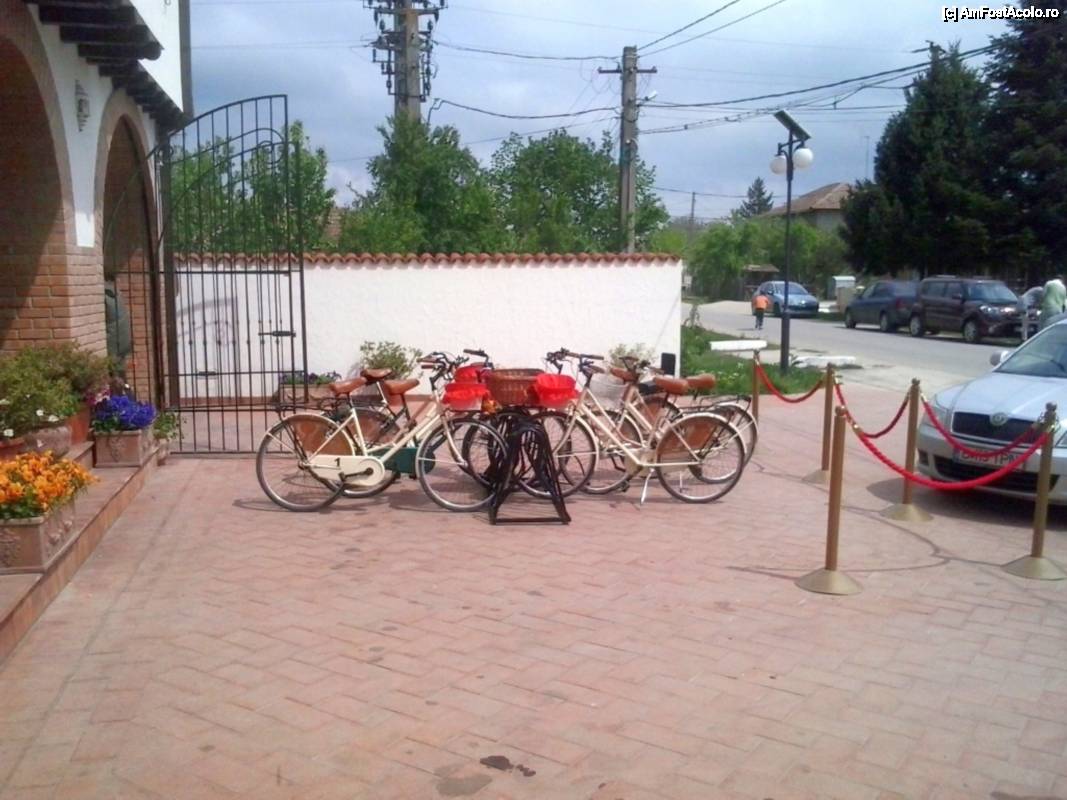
<point x="351" y="470"/>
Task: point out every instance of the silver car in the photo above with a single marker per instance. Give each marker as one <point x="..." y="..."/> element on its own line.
<point x="997" y="408"/>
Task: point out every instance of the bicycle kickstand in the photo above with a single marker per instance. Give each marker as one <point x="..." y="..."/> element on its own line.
<point x="644" y="489"/>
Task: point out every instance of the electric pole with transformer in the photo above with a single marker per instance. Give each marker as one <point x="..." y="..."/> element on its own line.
<point x="407" y="48"/>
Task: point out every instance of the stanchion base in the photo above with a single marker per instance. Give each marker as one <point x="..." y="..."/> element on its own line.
<point x="1038" y="569"/>
<point x="906" y="512"/>
<point x="820" y="477"/>
<point x="828" y="581"/>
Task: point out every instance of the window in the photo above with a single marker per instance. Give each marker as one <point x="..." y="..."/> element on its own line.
<point x="954" y="290"/>
<point x="904" y="288"/>
<point x="992" y="293"/>
<point x="882" y="290"/>
<point x="933" y="289"/>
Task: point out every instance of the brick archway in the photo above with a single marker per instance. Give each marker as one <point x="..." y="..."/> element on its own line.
<point x="35" y="238"/>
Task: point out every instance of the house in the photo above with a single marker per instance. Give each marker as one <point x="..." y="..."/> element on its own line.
<point x="87" y="90"/>
<point x="821" y="207"/>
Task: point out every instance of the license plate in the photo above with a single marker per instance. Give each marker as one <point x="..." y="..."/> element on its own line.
<point x="992" y="463"/>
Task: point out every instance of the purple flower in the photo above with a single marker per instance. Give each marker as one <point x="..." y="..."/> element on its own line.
<point x="122" y="414"/>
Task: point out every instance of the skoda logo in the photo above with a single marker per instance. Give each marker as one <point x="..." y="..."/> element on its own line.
<point x="998" y="419"/>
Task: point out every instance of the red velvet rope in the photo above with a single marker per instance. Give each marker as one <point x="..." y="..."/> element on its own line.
<point x="774" y="389"/>
<point x="980" y="454"/>
<point x="887" y="428"/>
<point x="949" y="486"/>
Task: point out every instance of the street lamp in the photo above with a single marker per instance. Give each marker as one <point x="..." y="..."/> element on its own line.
<point x="793" y="154"/>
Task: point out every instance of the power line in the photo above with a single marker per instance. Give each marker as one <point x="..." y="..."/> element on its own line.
<point x="767" y="7"/>
<point x="530" y="56"/>
<point x="525" y="116"/>
<point x="701" y="194"/>
<point x="690" y="25"/>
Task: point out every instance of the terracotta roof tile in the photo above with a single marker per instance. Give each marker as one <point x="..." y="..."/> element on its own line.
<point x="322" y="257"/>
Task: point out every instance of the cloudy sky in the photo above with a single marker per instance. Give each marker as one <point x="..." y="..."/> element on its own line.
<point x="315" y="51"/>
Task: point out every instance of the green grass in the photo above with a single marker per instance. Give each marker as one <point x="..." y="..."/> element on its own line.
<point x="735" y="374"/>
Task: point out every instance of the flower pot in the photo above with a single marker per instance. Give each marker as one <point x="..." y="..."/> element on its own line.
<point x="123" y="448"/>
<point x="9" y="448"/>
<point x="289" y="394"/>
<point x="79" y="425"/>
<point x="162" y="451"/>
<point x="28" y="545"/>
<point x="56" y="438"/>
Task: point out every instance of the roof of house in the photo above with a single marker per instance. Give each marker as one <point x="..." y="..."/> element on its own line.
<point x="825" y="198"/>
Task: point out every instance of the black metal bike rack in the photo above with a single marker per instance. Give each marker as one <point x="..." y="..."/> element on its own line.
<point x="528" y="457"/>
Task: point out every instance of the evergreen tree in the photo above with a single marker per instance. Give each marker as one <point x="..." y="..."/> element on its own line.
<point x="1027" y="136"/>
<point x="759" y="201"/>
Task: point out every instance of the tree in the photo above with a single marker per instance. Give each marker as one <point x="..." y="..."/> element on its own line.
<point x="872" y="220"/>
<point x="559" y="193"/>
<point x="1027" y="142"/>
<point x="428" y="194"/>
<point x="931" y="165"/>
<point x="759" y="201"/>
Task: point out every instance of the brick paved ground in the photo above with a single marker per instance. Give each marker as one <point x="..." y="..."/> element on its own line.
<point x="215" y="647"/>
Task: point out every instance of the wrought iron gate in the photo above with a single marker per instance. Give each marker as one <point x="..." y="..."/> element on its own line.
<point x="229" y="308"/>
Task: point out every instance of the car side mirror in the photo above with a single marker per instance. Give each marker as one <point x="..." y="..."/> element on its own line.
<point x="996" y="358"/>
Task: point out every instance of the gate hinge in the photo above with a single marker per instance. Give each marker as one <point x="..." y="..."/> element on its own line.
<point x="281" y="333"/>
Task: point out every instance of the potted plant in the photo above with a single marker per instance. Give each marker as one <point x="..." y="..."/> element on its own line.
<point x="33" y="408"/>
<point x="37" y="492"/>
<point x="164" y="429"/>
<point x="389" y="355"/>
<point x="85" y="372"/>
<point x="291" y="386"/>
<point x="121" y="430"/>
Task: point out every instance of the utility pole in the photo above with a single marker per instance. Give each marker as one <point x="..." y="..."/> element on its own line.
<point x="407" y="49"/>
<point x="692" y="219"/>
<point x="628" y="143"/>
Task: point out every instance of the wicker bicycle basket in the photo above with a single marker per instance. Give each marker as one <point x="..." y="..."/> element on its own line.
<point x="512" y="387"/>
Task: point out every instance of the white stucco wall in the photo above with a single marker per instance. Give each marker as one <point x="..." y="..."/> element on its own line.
<point x="69" y="69"/>
<point x="516" y="311"/>
<point x="161" y="17"/>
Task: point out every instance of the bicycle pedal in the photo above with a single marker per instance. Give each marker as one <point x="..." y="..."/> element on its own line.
<point x="625" y="487"/>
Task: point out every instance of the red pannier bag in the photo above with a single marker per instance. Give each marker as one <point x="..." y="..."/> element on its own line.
<point x="472" y="373"/>
<point x="553" y="391"/>
<point x="465" y="396"/>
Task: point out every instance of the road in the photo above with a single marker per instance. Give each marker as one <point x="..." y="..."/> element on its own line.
<point x="887" y="360"/>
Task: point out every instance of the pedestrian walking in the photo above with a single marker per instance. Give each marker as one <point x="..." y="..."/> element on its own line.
<point x="760" y="306"/>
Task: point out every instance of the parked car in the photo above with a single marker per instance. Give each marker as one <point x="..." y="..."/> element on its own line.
<point x="886" y="304"/>
<point x="997" y="408"/>
<point x="976" y="307"/>
<point x="802" y="303"/>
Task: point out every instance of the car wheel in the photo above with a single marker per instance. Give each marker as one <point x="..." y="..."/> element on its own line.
<point x="850" y="321"/>
<point x="777" y="311"/>
<point x="915" y="326"/>
<point x="972" y="334"/>
<point x="884" y="325"/>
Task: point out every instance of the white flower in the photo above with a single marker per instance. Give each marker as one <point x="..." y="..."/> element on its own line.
<point x="40" y="412"/>
<point x="53" y="418"/>
<point x="4" y="401"/>
<point x="9" y="433"/>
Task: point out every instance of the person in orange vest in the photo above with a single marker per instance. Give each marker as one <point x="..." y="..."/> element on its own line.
<point x="760" y="306"/>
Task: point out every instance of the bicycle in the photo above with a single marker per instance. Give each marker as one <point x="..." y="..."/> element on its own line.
<point x="697" y="457"/>
<point x="307" y="460"/>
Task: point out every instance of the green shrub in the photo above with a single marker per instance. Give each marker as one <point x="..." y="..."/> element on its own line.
<point x="29" y="399"/>
<point x="389" y="355"/>
<point x="166" y="425"/>
<point x="642" y="352"/>
<point x="86" y="372"/>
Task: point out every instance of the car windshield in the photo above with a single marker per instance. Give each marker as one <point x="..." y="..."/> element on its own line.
<point x="906" y="288"/>
<point x="1044" y="356"/>
<point x="794" y="288"/>
<point x="993" y="293"/>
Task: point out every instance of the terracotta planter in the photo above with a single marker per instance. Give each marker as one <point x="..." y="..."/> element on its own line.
<point x="57" y="439"/>
<point x="28" y="545"/>
<point x="162" y="451"/>
<point x="123" y="448"/>
<point x="9" y="448"/>
<point x="295" y="394"/>
<point x="79" y="425"/>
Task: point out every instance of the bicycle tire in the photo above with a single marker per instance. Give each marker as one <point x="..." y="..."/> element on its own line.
<point x="708" y="435"/>
<point x="478" y="445"/>
<point x="575" y="457"/>
<point x="300" y="434"/>
<point x="614" y="469"/>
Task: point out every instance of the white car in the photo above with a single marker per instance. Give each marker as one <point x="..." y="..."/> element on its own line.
<point x="997" y="408"/>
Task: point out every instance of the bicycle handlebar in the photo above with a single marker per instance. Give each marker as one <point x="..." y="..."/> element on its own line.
<point x="479" y="353"/>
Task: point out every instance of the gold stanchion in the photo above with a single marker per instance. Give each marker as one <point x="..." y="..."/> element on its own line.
<point x="906" y="510"/>
<point x="755" y="385"/>
<point x="829" y="580"/>
<point x="1035" y="566"/>
<point x="821" y="476"/>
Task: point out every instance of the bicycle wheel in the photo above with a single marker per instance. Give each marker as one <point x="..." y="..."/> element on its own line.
<point x="701" y="457"/>
<point x="614" y="468"/>
<point x="282" y="461"/>
<point x="453" y="463"/>
<point x="741" y="418"/>
<point x="377" y="428"/>
<point x="574" y="449"/>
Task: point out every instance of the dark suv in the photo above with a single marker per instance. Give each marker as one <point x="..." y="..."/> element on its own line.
<point x="975" y="307"/>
